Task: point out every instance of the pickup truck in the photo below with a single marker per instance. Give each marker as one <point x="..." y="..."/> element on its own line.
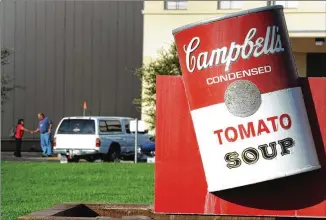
<point x="92" y="138"/>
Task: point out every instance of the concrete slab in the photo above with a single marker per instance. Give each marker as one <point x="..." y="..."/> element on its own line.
<point x="107" y="211"/>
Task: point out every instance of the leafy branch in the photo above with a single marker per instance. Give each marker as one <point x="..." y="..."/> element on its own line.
<point x="167" y="63"/>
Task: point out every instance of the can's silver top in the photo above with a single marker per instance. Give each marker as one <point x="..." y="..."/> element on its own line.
<point x="236" y="14"/>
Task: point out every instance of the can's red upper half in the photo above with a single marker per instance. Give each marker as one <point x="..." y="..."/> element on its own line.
<point x="215" y="54"/>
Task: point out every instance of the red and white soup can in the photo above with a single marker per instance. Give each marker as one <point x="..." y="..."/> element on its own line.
<point x="246" y="105"/>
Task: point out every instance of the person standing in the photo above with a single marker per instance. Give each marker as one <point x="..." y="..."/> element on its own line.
<point x="45" y="127"/>
<point x="19" y="133"/>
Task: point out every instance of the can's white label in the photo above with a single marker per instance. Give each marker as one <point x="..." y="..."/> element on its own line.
<point x="274" y="142"/>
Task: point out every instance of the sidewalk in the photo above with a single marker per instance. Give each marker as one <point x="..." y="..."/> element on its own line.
<point x="28" y="156"/>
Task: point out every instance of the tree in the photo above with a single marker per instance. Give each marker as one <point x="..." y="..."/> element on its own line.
<point x="5" y="79"/>
<point x="167" y="63"/>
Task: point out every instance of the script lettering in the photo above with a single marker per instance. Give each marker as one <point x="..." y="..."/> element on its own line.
<point x="269" y="44"/>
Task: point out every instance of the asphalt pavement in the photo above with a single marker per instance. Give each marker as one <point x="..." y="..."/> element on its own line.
<point x="37" y="157"/>
<point x="28" y="156"/>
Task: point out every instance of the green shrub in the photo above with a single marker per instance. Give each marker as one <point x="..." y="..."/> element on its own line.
<point x="167" y="63"/>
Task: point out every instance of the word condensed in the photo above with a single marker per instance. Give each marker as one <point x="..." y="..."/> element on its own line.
<point x="239" y="74"/>
<point x="269" y="44"/>
<point x="250" y="155"/>
<point x="251" y="129"/>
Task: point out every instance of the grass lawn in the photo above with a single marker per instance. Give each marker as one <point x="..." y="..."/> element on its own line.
<point x="30" y="186"/>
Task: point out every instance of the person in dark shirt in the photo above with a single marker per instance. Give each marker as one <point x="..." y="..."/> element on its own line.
<point x="45" y="127"/>
<point x="19" y="134"/>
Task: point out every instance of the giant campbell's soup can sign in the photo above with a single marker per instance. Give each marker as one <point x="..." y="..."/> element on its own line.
<point x="246" y="105"/>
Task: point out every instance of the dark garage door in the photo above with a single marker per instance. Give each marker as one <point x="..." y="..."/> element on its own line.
<point x="316" y="65"/>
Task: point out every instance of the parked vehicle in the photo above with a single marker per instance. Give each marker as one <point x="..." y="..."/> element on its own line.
<point x="148" y="149"/>
<point x="92" y="138"/>
<point x="147" y="152"/>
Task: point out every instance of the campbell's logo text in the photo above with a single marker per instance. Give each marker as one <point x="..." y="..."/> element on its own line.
<point x="269" y="44"/>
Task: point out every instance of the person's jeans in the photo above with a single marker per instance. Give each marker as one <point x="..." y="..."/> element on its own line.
<point x="46" y="144"/>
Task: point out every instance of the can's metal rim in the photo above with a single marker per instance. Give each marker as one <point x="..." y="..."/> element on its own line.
<point x="231" y="15"/>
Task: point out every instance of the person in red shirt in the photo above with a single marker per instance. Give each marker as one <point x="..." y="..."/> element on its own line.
<point x="20" y="129"/>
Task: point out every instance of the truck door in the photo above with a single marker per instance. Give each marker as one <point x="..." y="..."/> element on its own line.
<point x="130" y="137"/>
<point x="111" y="129"/>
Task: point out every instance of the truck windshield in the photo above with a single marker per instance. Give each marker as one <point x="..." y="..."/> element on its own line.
<point x="77" y="126"/>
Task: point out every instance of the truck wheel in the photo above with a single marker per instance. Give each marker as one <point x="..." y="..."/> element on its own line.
<point x="90" y="159"/>
<point x="74" y="159"/>
<point x="114" y="153"/>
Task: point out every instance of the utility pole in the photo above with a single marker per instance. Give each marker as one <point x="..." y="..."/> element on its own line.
<point x="136" y="140"/>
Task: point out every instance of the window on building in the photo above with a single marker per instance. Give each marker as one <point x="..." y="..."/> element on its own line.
<point x="286" y="4"/>
<point x="230" y="4"/>
<point x="175" y="5"/>
<point x="316" y="66"/>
